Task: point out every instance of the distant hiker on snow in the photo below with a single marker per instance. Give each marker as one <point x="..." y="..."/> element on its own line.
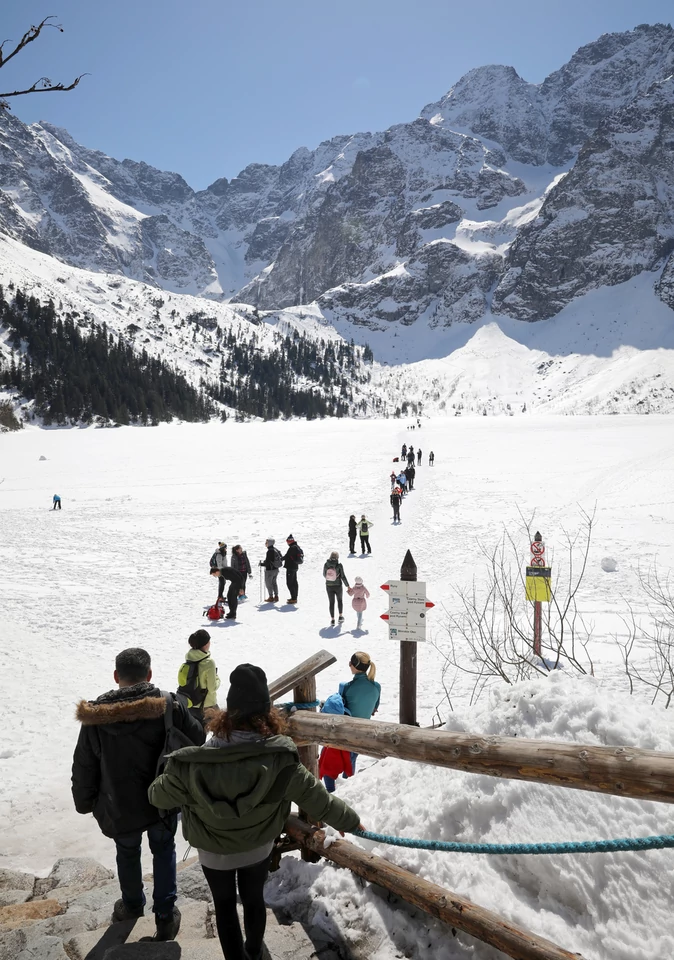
<point x="396" y="497"/>
<point x="198" y="678"/>
<point x="353" y="531"/>
<point x="56" y="501"/>
<point x="403" y="452"/>
<point x="402" y="483"/>
<point x="236" y="581"/>
<point x="293" y="557"/>
<point x="410" y="457"/>
<point x="431" y="459"/>
<point x="334" y="575"/>
<point x="419" y="457"/>
<point x="122" y="739"/>
<point x="393" y="479"/>
<point x="272" y="563"/>
<point x="235" y="794"/>
<point x="364" y="530"/>
<point x="241" y="563"/>
<point x="217" y="562"/>
<point x="410" y="473"/>
<point x="359" y="592"/>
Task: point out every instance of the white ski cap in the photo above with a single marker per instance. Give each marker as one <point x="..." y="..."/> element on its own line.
<point x="270" y="540"/>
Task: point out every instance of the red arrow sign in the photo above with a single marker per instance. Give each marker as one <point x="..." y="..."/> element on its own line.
<point x="384" y="616"/>
<point x="429" y="604"/>
<point x="385" y="586"/>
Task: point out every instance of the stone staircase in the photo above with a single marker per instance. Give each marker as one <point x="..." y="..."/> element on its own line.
<point x="66" y="916"/>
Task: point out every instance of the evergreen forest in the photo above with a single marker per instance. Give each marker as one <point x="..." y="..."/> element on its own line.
<point x="76" y="371"/>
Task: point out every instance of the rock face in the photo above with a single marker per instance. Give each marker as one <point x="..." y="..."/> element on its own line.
<point x="362" y="225"/>
<point x="609" y="219"/>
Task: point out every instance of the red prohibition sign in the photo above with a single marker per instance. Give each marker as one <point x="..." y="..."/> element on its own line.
<point x="538" y="548"/>
<point x="537" y="562"/>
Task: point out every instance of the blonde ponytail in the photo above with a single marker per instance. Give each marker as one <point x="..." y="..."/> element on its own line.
<point x="362" y="662"/>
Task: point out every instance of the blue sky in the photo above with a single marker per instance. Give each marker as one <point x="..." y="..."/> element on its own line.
<point x="204" y="87"/>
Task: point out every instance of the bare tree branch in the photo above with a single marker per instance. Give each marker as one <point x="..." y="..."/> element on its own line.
<point x="44" y="84"/>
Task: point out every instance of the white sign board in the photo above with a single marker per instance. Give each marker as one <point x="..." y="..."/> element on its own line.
<point x="407" y="610"/>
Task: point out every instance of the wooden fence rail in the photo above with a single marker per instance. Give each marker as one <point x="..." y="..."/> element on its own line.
<point x="448" y="907"/>
<point x="621" y="771"/>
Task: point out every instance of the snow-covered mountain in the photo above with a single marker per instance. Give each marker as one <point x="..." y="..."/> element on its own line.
<point x="503" y="201"/>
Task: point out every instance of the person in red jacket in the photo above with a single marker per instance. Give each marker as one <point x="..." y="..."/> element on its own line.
<point x="333" y="762"/>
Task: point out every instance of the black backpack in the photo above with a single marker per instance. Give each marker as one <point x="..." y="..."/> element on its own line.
<point x="191" y="688"/>
<point x="300" y="553"/>
<point x="277" y="562"/>
<point x="174" y="739"/>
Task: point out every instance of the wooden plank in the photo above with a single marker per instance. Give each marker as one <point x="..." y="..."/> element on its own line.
<point x="621" y="771"/>
<point x="450" y="908"/>
<point x="308" y="668"/>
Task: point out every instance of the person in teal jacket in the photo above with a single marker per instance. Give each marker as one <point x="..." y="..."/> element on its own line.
<point x="201" y="693"/>
<point x="361" y="695"/>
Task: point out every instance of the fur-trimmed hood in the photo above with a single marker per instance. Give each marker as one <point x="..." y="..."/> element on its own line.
<point x="143" y="701"/>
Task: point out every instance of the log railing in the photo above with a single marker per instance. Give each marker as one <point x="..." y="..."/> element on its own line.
<point x="621" y="771"/>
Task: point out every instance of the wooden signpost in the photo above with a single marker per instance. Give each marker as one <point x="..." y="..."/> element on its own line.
<point x="537" y="587"/>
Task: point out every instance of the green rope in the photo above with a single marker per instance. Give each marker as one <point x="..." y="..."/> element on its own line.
<point x="581" y="846"/>
<point x="298" y="706"/>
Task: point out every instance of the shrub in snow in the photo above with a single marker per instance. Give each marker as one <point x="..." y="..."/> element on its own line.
<point x="609" y="565"/>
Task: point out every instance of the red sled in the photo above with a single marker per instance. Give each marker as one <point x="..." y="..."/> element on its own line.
<point x="216" y="612"/>
<point x="396" y="459"/>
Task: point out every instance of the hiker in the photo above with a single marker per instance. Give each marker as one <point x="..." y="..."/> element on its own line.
<point x="334" y="575"/>
<point x="235" y="795"/>
<point x="402" y="483"/>
<point x="353" y="530"/>
<point x="364" y="528"/>
<point x="217" y="562"/>
<point x="419" y="457"/>
<point x="272" y="563"/>
<point x="396" y="497"/>
<point x="121" y="741"/>
<point x="332" y="761"/>
<point x="241" y="563"/>
<point x="393" y="479"/>
<point x="403" y="452"/>
<point x="410" y="458"/>
<point x="235" y="580"/>
<point x="431" y="459"/>
<point x="411" y="474"/>
<point x="56" y="501"/>
<point x="359" y="592"/>
<point x="293" y="557"/>
<point x="198" y="677"/>
<point x="361" y="694"/>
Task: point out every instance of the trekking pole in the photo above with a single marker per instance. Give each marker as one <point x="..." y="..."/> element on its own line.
<point x="260" y="584"/>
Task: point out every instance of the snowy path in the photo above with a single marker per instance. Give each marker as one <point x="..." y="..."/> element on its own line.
<point x="126" y="563"/>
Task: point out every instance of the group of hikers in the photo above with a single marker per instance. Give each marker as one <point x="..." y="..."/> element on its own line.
<point x="403" y="480"/>
<point x="144" y="756"/>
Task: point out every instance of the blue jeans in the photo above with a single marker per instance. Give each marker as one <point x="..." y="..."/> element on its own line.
<point x="162" y="844"/>
<point x="329" y="784"/>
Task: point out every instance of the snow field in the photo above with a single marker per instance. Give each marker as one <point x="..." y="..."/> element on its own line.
<point x="126" y="563"/>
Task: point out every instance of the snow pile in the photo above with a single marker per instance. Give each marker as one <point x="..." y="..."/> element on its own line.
<point x="605" y="906"/>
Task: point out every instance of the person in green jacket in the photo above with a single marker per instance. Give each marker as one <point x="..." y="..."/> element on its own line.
<point x="235" y="795"/>
<point x="198" y="677"/>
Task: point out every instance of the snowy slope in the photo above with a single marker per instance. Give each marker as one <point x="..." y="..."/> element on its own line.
<point x="125" y="563"/>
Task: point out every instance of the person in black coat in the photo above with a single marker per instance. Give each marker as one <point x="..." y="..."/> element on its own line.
<point x="292" y="559"/>
<point x="353" y="532"/>
<point x="396" y="497"/>
<point x="121" y="740"/>
<point x="411" y="474"/>
<point x="236" y="582"/>
<point x="241" y="563"/>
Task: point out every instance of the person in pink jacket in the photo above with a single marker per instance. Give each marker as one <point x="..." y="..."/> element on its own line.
<point x="359" y="592"/>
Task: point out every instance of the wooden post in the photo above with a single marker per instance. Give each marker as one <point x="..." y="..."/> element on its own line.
<point x="407" y="709"/>
<point x="305" y="692"/>
<point x="621" y="771"/>
<point x="450" y="908"/>
<point x="538" y="626"/>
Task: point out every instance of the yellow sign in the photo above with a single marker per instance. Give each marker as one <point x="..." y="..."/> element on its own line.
<point x="537" y="583"/>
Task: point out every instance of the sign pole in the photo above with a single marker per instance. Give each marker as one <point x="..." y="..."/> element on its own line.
<point x="408" y="659"/>
<point x="538" y="621"/>
<point x="538" y="587"/>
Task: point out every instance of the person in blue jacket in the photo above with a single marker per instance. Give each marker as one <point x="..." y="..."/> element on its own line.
<point x="56" y="501"/>
<point x="361" y="694"/>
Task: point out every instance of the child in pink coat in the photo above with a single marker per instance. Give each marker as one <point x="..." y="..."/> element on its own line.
<point x="359" y="592"/>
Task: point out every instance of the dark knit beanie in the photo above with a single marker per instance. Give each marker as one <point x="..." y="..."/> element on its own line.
<point x="248" y="693"/>
<point x="199" y="639"/>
